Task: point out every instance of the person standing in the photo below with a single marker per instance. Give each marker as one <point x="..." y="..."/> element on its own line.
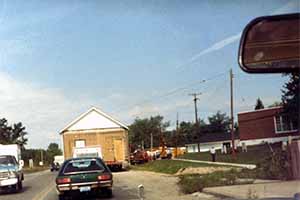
<point x="213" y="154"/>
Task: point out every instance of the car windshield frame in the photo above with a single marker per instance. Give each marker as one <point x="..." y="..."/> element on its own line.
<point x="83" y="171"/>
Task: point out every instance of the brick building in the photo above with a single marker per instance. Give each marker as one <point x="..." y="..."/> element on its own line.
<point x="266" y="125"/>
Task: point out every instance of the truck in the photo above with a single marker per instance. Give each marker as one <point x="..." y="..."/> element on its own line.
<point x="11" y="174"/>
<point x="91" y="151"/>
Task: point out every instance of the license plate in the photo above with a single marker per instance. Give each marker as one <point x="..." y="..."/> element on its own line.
<point x="85" y="189"/>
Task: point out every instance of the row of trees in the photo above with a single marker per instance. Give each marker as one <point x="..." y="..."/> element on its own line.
<point x="38" y="154"/>
<point x="141" y="129"/>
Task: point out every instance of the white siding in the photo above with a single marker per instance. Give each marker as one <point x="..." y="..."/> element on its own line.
<point x="269" y="140"/>
<point x="204" y="147"/>
<point x="93" y="120"/>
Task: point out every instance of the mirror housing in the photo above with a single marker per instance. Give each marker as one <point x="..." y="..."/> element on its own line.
<point x="21" y="163"/>
<point x="271" y="44"/>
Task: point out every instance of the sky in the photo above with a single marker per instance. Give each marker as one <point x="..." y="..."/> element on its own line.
<point x="129" y="58"/>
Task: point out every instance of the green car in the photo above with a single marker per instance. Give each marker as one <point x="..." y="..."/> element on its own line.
<point x="84" y="176"/>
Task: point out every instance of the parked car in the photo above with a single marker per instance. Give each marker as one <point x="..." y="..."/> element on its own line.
<point x="139" y="157"/>
<point x="11" y="174"/>
<point x="84" y="176"/>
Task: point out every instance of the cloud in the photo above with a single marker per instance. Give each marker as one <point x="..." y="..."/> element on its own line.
<point x="44" y="111"/>
<point x="215" y="47"/>
<point x="292" y="6"/>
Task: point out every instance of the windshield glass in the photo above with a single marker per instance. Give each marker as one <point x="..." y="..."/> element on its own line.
<point x="7" y="160"/>
<point x="83" y="166"/>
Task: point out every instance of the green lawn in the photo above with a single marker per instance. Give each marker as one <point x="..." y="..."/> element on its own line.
<point x="255" y="155"/>
<point x="167" y="166"/>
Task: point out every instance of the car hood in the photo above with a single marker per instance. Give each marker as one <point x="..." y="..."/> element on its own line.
<point x="4" y="168"/>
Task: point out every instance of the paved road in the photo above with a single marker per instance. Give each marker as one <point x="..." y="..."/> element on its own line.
<point x="41" y="186"/>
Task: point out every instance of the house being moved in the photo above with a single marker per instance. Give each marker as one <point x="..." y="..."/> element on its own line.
<point x="96" y="129"/>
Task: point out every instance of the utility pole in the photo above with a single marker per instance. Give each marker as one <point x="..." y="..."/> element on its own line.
<point x="196" y="110"/>
<point x="42" y="157"/>
<point x="151" y="141"/>
<point x="231" y="111"/>
<point x="196" y="116"/>
<point x="176" y="142"/>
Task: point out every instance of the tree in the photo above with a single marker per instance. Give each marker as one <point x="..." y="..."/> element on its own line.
<point x="290" y="98"/>
<point x="53" y="150"/>
<point x="259" y="104"/>
<point x="275" y="104"/>
<point x="14" y="134"/>
<point x="218" y="123"/>
<point x="140" y="131"/>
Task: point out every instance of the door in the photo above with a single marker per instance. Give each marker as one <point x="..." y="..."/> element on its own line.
<point x="118" y="149"/>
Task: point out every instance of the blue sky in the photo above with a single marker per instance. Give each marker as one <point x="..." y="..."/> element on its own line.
<point x="58" y="58"/>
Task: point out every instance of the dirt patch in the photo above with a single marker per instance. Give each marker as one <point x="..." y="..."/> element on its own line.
<point x="201" y="170"/>
<point x="156" y="186"/>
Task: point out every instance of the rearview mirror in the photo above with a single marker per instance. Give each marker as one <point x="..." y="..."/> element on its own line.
<point x="271" y="44"/>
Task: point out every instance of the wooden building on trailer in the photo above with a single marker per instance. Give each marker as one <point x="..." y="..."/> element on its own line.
<point x="95" y="128"/>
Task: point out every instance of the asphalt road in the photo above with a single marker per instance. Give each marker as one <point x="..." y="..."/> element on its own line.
<point x="41" y="186"/>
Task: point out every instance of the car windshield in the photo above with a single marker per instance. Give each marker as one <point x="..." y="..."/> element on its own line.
<point x="83" y="166"/>
<point x="7" y="160"/>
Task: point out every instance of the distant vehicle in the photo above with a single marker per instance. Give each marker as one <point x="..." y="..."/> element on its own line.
<point x="11" y="174"/>
<point x="54" y="166"/>
<point x="84" y="176"/>
<point x="83" y="152"/>
<point x="13" y="150"/>
<point x="139" y="157"/>
<point x="59" y="159"/>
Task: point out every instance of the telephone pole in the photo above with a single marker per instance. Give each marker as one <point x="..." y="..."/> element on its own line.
<point x="176" y="138"/>
<point x="196" y="110"/>
<point x="231" y="111"/>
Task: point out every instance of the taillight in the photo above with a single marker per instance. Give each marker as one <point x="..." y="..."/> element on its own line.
<point x="104" y="177"/>
<point x="63" y="180"/>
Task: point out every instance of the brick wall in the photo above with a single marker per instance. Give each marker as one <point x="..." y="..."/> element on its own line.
<point x="260" y="124"/>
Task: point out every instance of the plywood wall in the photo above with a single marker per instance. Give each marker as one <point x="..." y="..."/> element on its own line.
<point x="107" y="139"/>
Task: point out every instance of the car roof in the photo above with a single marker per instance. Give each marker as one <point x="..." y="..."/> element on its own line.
<point x="82" y="158"/>
<point x="6" y="156"/>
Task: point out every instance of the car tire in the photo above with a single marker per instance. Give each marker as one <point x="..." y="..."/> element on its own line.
<point x="20" y="185"/>
<point x="61" y="197"/>
<point x="108" y="192"/>
<point x="17" y="187"/>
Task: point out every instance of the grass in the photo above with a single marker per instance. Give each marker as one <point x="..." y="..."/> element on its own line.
<point x="194" y="182"/>
<point x="167" y="166"/>
<point x="256" y="154"/>
<point x="28" y="170"/>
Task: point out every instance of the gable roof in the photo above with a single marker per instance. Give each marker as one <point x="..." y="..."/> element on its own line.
<point x="92" y="119"/>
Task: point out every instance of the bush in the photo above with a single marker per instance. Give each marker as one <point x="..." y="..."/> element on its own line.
<point x="276" y="166"/>
<point x="195" y="182"/>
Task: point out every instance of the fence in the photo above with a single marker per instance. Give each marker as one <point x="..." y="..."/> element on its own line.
<point x="295" y="159"/>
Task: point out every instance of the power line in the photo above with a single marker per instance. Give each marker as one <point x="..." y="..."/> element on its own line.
<point x="173" y="91"/>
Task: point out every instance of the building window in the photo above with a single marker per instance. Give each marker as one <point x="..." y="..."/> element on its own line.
<point x="284" y="124"/>
<point x="79" y="143"/>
